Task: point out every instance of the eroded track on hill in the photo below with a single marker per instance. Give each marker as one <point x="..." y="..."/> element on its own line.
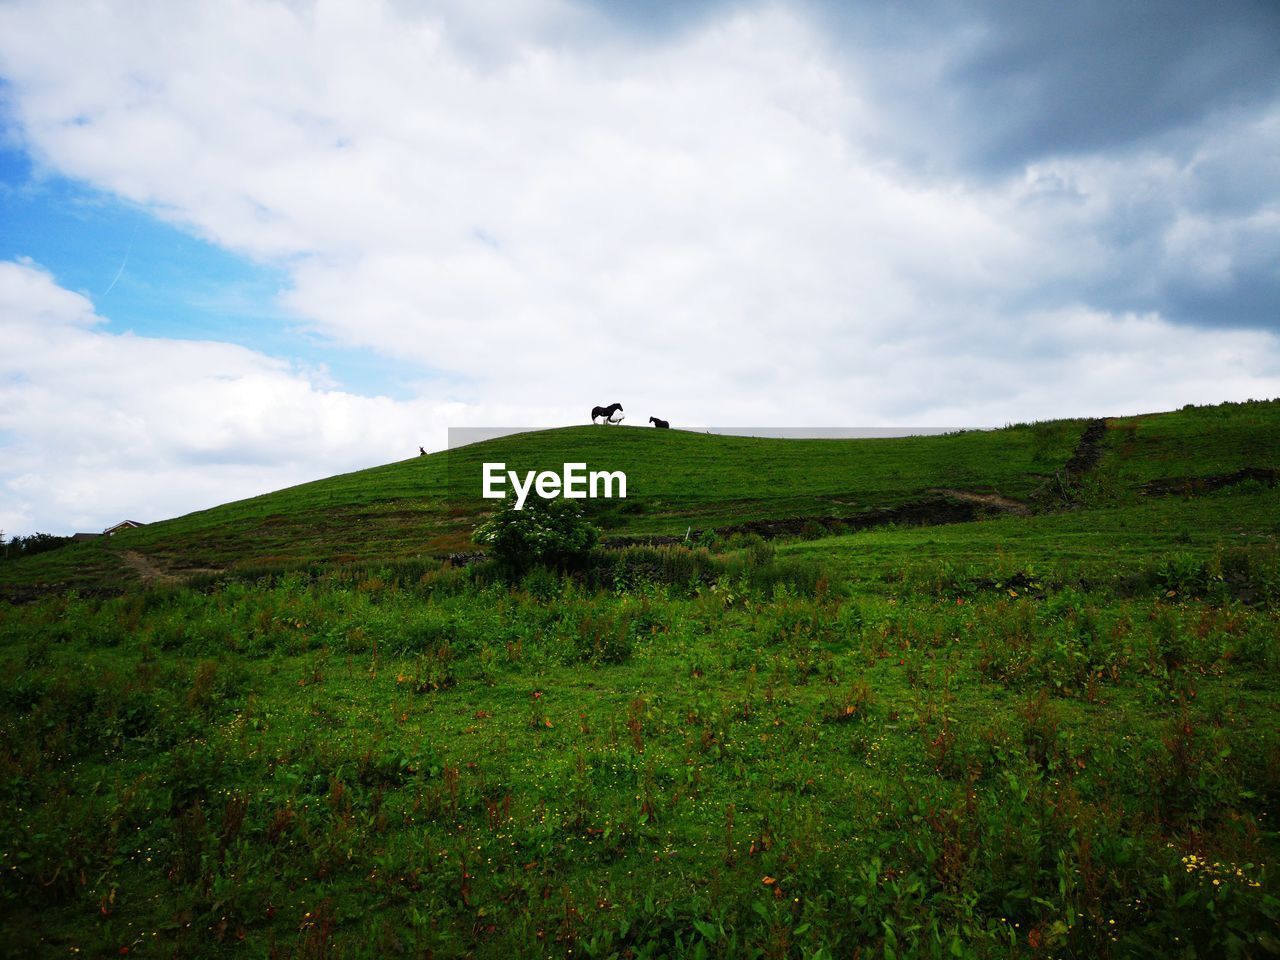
<point x="151" y="572"/>
<point x="945" y="506"/>
<point x="1088" y="451"/>
<point x="993" y="500"/>
<point x="143" y="566"/>
<point x="1193" y="486"/>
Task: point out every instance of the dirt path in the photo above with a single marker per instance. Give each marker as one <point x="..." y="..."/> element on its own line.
<point x="145" y="568"/>
<point x="986" y="499"/>
<point x="942" y="506"/>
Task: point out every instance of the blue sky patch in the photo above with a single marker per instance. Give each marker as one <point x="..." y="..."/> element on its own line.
<point x="152" y="278"/>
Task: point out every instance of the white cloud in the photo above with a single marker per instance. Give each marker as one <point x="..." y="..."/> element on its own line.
<point x="102" y="426"/>
<point x="543" y="215"/>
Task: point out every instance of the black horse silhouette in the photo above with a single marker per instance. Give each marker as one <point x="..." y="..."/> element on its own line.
<point x="660" y="424"/>
<point x="606" y="412"/>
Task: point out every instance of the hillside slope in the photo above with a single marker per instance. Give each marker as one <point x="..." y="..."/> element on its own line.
<point x="677" y="480"/>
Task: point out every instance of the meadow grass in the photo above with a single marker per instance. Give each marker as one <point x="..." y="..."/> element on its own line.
<point x="1046" y="735"/>
<point x="376" y="765"/>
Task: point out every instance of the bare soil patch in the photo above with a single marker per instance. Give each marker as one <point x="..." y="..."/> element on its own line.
<point x="151" y="572"/>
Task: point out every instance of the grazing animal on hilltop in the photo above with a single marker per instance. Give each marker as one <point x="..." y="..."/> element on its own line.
<point x="660" y="424"/>
<point x="607" y="413"/>
<point x="422" y="452"/>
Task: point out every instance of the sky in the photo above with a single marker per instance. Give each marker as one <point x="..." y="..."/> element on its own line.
<point x="249" y="244"/>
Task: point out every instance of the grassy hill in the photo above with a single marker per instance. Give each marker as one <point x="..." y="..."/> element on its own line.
<point x="429" y="506"/>
<point x="1052" y="731"/>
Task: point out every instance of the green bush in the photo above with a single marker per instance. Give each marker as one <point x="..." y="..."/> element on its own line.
<point x="553" y="533"/>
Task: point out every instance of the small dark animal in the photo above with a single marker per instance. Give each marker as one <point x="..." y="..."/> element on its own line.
<point x="422" y="452"/>
<point x="606" y="412"/>
<point x="660" y="424"/>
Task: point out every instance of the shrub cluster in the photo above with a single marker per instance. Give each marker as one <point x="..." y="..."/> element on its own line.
<point x="549" y="532"/>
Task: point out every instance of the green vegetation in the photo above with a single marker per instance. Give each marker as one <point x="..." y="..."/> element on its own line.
<point x="1049" y="732"/>
<point x="551" y="533"/>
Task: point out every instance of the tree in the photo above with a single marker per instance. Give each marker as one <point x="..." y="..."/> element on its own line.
<point x="26" y="546"/>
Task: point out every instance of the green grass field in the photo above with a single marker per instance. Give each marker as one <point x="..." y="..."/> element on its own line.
<point x="284" y="727"/>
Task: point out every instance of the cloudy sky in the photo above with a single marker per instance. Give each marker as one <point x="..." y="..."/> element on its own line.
<point x="248" y="244"/>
